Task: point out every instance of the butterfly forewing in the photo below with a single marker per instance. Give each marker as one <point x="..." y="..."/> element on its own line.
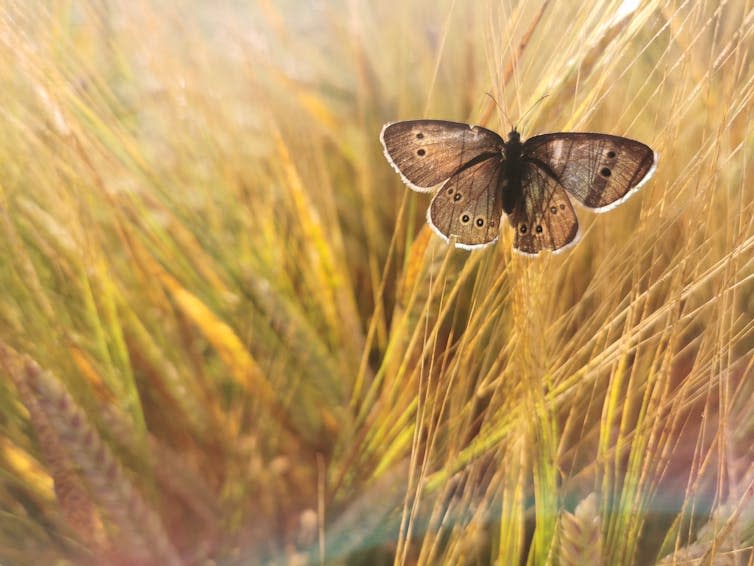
<point x="599" y="170"/>
<point x="427" y="152"/>
<point x="543" y="218"/>
<point x="469" y="206"/>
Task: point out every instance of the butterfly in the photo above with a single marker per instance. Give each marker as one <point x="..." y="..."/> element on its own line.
<point x="477" y="176"/>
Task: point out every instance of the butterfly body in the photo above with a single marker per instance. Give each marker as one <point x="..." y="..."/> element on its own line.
<point x="510" y="187"/>
<point x="477" y="176"/>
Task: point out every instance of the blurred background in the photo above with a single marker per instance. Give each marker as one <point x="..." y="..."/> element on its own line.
<point x="228" y="337"/>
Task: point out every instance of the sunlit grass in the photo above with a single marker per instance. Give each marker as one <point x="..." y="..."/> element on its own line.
<point x="227" y="334"/>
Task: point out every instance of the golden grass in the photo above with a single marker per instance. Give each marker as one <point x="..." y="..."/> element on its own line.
<point x="226" y="333"/>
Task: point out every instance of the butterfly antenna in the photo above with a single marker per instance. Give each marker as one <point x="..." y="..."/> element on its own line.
<point x="532" y="107"/>
<point x="502" y="110"/>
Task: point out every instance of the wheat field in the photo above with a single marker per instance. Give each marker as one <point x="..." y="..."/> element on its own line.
<point x="227" y="335"/>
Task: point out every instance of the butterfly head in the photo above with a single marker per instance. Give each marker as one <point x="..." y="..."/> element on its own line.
<point x="514" y="136"/>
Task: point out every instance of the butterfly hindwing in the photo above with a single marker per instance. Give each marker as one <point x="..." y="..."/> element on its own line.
<point x="469" y="205"/>
<point x="599" y="170"/>
<point x="543" y="217"/>
<point x="427" y="152"/>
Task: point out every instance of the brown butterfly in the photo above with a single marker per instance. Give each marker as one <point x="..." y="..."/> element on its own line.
<point x="478" y="176"/>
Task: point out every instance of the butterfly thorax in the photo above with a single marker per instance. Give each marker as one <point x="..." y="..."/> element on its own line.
<point x="511" y="181"/>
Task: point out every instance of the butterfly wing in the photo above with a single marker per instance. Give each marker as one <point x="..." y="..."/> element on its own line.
<point x="469" y="205"/>
<point x="543" y="217"/>
<point x="427" y="152"/>
<point x="599" y="170"/>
